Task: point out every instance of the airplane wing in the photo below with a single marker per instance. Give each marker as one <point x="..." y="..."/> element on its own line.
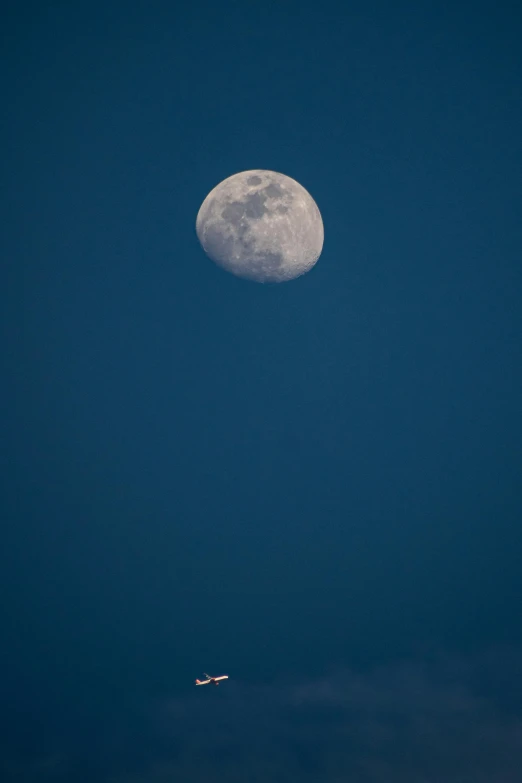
<point x="207" y="676"/>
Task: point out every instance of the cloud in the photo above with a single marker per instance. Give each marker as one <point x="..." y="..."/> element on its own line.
<point x="442" y="722"/>
<point x="447" y="720"/>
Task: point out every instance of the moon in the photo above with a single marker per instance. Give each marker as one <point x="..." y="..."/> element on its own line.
<point x="262" y="226"/>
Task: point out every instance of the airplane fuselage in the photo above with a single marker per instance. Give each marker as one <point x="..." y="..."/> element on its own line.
<point x="212" y="680"/>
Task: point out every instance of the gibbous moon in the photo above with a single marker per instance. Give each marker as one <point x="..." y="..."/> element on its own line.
<point x="262" y="226"/>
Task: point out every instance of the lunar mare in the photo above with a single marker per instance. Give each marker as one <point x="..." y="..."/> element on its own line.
<point x="262" y="226"/>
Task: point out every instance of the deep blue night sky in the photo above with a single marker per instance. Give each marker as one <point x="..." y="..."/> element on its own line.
<point x="288" y="483"/>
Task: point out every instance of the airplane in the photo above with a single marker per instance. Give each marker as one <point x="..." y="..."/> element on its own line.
<point x="213" y="680"/>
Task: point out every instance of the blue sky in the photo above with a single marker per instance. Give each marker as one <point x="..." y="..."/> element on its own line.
<point x="286" y="481"/>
